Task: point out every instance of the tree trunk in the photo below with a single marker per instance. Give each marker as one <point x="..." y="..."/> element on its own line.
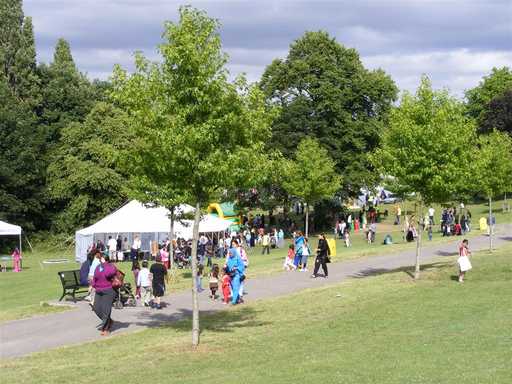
<point x="490" y="224"/>
<point x="195" y="303"/>
<point x="171" y="238"/>
<point x="307" y="220"/>
<point x="418" y="245"/>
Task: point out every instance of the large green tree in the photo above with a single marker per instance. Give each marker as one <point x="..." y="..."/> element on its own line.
<point x="197" y="134"/>
<point x="485" y="101"/>
<point x="428" y="149"/>
<point x="22" y="140"/>
<point x="68" y="96"/>
<point x="84" y="175"/>
<point x="493" y="170"/>
<point x="325" y="92"/>
<point x="498" y="115"/>
<point x="311" y="176"/>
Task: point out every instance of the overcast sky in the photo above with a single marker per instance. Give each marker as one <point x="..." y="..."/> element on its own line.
<point x="454" y="42"/>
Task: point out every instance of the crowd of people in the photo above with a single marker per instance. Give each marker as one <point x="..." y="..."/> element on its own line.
<point x="223" y="260"/>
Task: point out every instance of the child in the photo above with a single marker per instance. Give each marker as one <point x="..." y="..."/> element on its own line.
<point x="430" y="232"/>
<point x="346" y="237"/>
<point x="199" y="278"/>
<point x="306" y="251"/>
<point x="144" y="284"/>
<point x="16" y="260"/>
<point x="288" y="261"/>
<point x="135" y="271"/>
<point x="214" y="281"/>
<point x="463" y="260"/>
<point x="226" y="286"/>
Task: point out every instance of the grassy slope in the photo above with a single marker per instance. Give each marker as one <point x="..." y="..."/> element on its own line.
<point x="384" y="329"/>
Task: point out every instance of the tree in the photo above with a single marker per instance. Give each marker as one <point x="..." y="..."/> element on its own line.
<point x="22" y="141"/>
<point x="325" y="92"/>
<point x="312" y="175"/>
<point x="85" y="177"/>
<point x="494" y="169"/>
<point x="67" y="94"/>
<point x="427" y="149"/>
<point x="499" y="114"/>
<point x="479" y="98"/>
<point x="197" y="134"/>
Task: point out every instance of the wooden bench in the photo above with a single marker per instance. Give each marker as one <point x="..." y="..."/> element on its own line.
<point x="70" y="281"/>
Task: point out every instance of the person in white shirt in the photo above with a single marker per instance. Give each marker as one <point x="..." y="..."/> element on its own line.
<point x="112" y="248"/>
<point x="145" y="284"/>
<point x="431" y="212"/>
<point x="94" y="264"/>
<point x="135" y="248"/>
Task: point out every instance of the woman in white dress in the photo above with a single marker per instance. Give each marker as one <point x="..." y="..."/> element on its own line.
<point x="463" y="260"/>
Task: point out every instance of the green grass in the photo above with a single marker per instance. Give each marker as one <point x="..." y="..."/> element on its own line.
<point x="21" y="294"/>
<point x="382" y="329"/>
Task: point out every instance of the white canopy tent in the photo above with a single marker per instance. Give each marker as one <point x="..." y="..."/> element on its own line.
<point x="152" y="223"/>
<point x="7" y="229"/>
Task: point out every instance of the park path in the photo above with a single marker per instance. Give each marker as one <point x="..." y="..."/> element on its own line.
<point x="22" y="337"/>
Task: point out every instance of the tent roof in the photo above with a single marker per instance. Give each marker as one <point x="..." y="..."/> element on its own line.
<point x="9" y="229"/>
<point x="135" y="217"/>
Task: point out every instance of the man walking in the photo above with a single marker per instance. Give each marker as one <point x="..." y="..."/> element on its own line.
<point x="265" y="242"/>
<point x="431" y="212"/>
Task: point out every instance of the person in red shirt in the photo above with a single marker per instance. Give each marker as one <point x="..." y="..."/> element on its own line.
<point x="226" y="286"/>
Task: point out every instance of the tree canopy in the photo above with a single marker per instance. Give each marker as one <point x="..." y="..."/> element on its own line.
<point x="486" y="101"/>
<point x="428" y="146"/>
<point x="22" y="140"/>
<point x="325" y="92"/>
<point x="84" y="175"/>
<point x="493" y="171"/>
<point x="311" y="176"/>
<point x="498" y="114"/>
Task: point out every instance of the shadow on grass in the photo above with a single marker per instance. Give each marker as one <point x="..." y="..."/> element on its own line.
<point x="407" y="270"/>
<point x="506" y="238"/>
<point x="216" y="320"/>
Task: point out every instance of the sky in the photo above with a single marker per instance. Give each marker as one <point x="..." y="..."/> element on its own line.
<point x="454" y="42"/>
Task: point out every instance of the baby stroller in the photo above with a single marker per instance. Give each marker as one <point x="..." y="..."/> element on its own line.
<point x="123" y="295"/>
<point x="181" y="259"/>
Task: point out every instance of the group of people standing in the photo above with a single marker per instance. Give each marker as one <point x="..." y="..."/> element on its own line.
<point x="299" y="252"/>
<point x="104" y="279"/>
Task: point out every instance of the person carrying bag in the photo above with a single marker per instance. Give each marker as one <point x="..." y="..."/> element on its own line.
<point x="322" y="256"/>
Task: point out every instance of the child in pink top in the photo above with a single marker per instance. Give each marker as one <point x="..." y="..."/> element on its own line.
<point x="288" y="261"/>
<point x="16" y="260"/>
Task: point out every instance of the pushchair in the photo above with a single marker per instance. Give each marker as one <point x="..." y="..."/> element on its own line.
<point x="181" y="259"/>
<point x="123" y="295"/>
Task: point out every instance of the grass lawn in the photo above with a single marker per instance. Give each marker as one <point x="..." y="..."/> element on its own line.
<point x="21" y="294"/>
<point x="382" y="329"/>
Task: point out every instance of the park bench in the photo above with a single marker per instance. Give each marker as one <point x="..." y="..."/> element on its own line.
<point x="70" y="281"/>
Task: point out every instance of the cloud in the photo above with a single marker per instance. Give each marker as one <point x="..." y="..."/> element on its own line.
<point x="456" y="42"/>
<point x="456" y="70"/>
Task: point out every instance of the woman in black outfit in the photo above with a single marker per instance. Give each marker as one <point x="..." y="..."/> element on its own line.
<point x="322" y="256"/>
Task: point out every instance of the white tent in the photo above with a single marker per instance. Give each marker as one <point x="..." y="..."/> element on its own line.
<point x="7" y="229"/>
<point x="152" y="223"/>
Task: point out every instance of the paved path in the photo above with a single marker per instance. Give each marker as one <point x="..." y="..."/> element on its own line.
<point x="21" y="337"/>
